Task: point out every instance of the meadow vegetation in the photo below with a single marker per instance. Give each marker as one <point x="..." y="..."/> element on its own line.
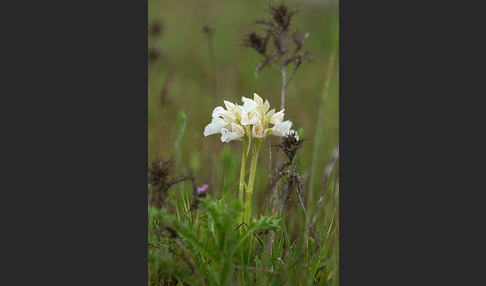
<point x="201" y="53"/>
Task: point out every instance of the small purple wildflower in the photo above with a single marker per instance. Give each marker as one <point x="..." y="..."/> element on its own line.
<point x="202" y="188"/>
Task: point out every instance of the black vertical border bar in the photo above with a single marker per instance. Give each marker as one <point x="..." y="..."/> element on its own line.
<point x="77" y="158"/>
<point x="411" y="143"/>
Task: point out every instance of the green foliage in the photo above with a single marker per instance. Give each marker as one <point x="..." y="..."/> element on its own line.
<point x="229" y="162"/>
<point x="213" y="243"/>
<point x="223" y="254"/>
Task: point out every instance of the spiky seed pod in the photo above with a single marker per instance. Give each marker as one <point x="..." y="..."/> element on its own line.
<point x="160" y="179"/>
<point x="257" y="42"/>
<point x="277" y="29"/>
<point x="208" y="30"/>
<point x="290" y="144"/>
<point x="155" y="28"/>
<point x="282" y="15"/>
<point x="159" y="172"/>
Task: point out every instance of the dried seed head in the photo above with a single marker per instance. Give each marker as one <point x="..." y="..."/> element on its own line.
<point x="277" y="28"/>
<point x="160" y="179"/>
<point x="290" y="144"/>
<point x="155" y="28"/>
<point x="299" y="39"/>
<point x="159" y="172"/>
<point x="258" y="42"/>
<point x="299" y="58"/>
<point x="282" y="15"/>
<point x="153" y="54"/>
<point x="208" y="30"/>
<point x="294" y="182"/>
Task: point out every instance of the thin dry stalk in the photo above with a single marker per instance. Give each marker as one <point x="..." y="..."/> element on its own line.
<point x="177" y="142"/>
<point x="209" y="32"/>
<point x="271" y="236"/>
<point x="328" y="171"/>
<point x="312" y="231"/>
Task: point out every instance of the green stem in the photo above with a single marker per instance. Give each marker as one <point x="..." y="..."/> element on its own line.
<point x="246" y="146"/>
<point x="251" y="181"/>
<point x="320" y="117"/>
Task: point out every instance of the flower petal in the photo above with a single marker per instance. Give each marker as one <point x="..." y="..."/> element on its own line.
<point x="257" y="99"/>
<point x="249" y="118"/>
<point x="270" y="114"/>
<point x="277" y="117"/>
<point x="283" y="127"/>
<point x="238" y="129"/>
<point x="215" y="126"/>
<point x="248" y="104"/>
<point x="274" y="131"/>
<point x="227" y="136"/>
<point x="257" y="130"/>
<point x="231" y="107"/>
<point x="228" y="116"/>
<point x="266" y="105"/>
<point x="216" y="111"/>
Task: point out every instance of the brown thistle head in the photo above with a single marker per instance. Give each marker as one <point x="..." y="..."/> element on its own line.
<point x="290" y="144"/>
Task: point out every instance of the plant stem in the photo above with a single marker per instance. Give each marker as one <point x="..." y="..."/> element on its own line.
<point x="283" y="73"/>
<point x="251" y="180"/>
<point x="320" y="115"/>
<point x="284" y="84"/>
<point x="246" y="145"/>
<point x="273" y="198"/>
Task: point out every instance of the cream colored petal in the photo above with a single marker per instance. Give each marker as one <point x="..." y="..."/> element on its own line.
<point x="248" y="119"/>
<point x="270" y="114"/>
<point x="277" y="117"/>
<point x="227" y="136"/>
<point x="266" y="105"/>
<point x="228" y="116"/>
<point x="258" y="99"/>
<point x="283" y="127"/>
<point x="231" y="107"/>
<point x="248" y="104"/>
<point x="216" y="111"/>
<point x="257" y="130"/>
<point x="215" y="126"/>
<point x="238" y="129"/>
<point x="274" y="131"/>
<point x="256" y="113"/>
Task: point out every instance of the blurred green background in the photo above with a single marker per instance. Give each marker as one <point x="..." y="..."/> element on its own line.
<point x="184" y="78"/>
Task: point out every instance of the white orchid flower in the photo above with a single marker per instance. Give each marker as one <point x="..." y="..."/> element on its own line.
<point x="282" y="128"/>
<point x="224" y="122"/>
<point x="252" y="119"/>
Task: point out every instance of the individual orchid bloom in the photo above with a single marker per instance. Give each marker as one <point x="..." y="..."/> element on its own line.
<point x="282" y="129"/>
<point x="226" y="123"/>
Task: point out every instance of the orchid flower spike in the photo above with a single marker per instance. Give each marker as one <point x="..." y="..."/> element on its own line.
<point x="252" y="119"/>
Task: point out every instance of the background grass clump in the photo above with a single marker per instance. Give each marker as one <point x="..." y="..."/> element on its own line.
<point x="196" y="60"/>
